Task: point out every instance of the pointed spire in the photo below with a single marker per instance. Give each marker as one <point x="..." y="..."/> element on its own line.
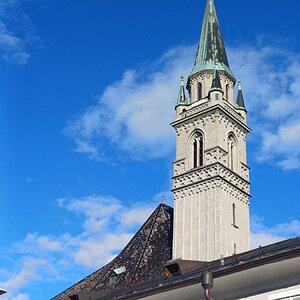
<point x="240" y="98"/>
<point x="216" y="83"/>
<point x="182" y="100"/>
<point x="211" y="49"/>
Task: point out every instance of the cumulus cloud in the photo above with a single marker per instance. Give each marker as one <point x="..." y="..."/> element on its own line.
<point x="262" y="235"/>
<point x="106" y="225"/>
<point x="271" y="77"/>
<point x="93" y="250"/>
<point x="21" y="297"/>
<point x="16" y="281"/>
<point x="134" y="113"/>
<point x="16" y="33"/>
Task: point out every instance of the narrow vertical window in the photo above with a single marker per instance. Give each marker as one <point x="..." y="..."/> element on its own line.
<point x="234" y="248"/>
<point x="227" y="92"/>
<point x="231" y="152"/>
<point x="234" y="215"/>
<point x="195" y="154"/>
<point x="201" y="151"/>
<point x="199" y="90"/>
<point x="232" y="155"/>
<point x="198" y="150"/>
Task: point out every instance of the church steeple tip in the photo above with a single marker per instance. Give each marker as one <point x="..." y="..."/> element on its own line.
<point x="211" y="49"/>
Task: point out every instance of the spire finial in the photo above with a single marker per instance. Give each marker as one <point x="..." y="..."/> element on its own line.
<point x="182" y="80"/>
<point x="240" y="85"/>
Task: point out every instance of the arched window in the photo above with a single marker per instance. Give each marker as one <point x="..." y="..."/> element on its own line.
<point x="231" y="152"/>
<point x="199" y="90"/>
<point x="198" y="150"/>
<point x="227" y="92"/>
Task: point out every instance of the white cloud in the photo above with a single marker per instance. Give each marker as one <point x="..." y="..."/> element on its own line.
<point x="46" y="243"/>
<point x="27" y="273"/>
<point x="134" y="113"/>
<point x="271" y="80"/>
<point x="97" y="251"/>
<point x="106" y="225"/>
<point x="21" y="297"/>
<point x="135" y="216"/>
<point x="262" y="235"/>
<point x="14" y="43"/>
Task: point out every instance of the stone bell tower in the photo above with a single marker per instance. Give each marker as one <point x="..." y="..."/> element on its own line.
<point x="211" y="177"/>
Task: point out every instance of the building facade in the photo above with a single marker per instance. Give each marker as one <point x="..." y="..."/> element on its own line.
<point x="211" y="176"/>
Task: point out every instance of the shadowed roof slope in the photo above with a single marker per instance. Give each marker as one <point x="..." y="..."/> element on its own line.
<point x="143" y="259"/>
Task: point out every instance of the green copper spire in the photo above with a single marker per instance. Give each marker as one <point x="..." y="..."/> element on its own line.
<point x="240" y="98"/>
<point x="211" y="50"/>
<point x="182" y="100"/>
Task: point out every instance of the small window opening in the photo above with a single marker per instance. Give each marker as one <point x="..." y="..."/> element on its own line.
<point x="199" y="88"/>
<point x="217" y="97"/>
<point x="234" y="215"/>
<point x="234" y="248"/>
<point x="227" y="92"/>
<point x="231" y="152"/>
<point x="198" y="151"/>
<point x="195" y="154"/>
<point x="116" y="275"/>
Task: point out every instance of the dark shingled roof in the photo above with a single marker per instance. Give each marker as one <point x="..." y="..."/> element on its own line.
<point x="143" y="258"/>
<point x="261" y="256"/>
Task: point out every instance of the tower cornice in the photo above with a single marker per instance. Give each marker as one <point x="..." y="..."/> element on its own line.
<point x="209" y="107"/>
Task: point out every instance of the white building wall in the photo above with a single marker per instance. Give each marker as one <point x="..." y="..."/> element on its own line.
<point x="291" y="293"/>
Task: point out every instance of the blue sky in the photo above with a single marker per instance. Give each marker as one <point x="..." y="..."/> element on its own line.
<point x="87" y="93"/>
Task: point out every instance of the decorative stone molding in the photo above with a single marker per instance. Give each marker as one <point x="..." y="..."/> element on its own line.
<point x="195" y="110"/>
<point x="245" y="171"/>
<point x="227" y="80"/>
<point x="179" y="167"/>
<point x="196" y="122"/>
<point x="200" y="77"/>
<point x="232" y="112"/>
<point x="215" y="155"/>
<point x="232" y="126"/>
<point x="209" y="184"/>
<point x="197" y="175"/>
<point x="203" y="113"/>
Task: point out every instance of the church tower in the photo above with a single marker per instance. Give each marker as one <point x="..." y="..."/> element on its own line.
<point x="211" y="177"/>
